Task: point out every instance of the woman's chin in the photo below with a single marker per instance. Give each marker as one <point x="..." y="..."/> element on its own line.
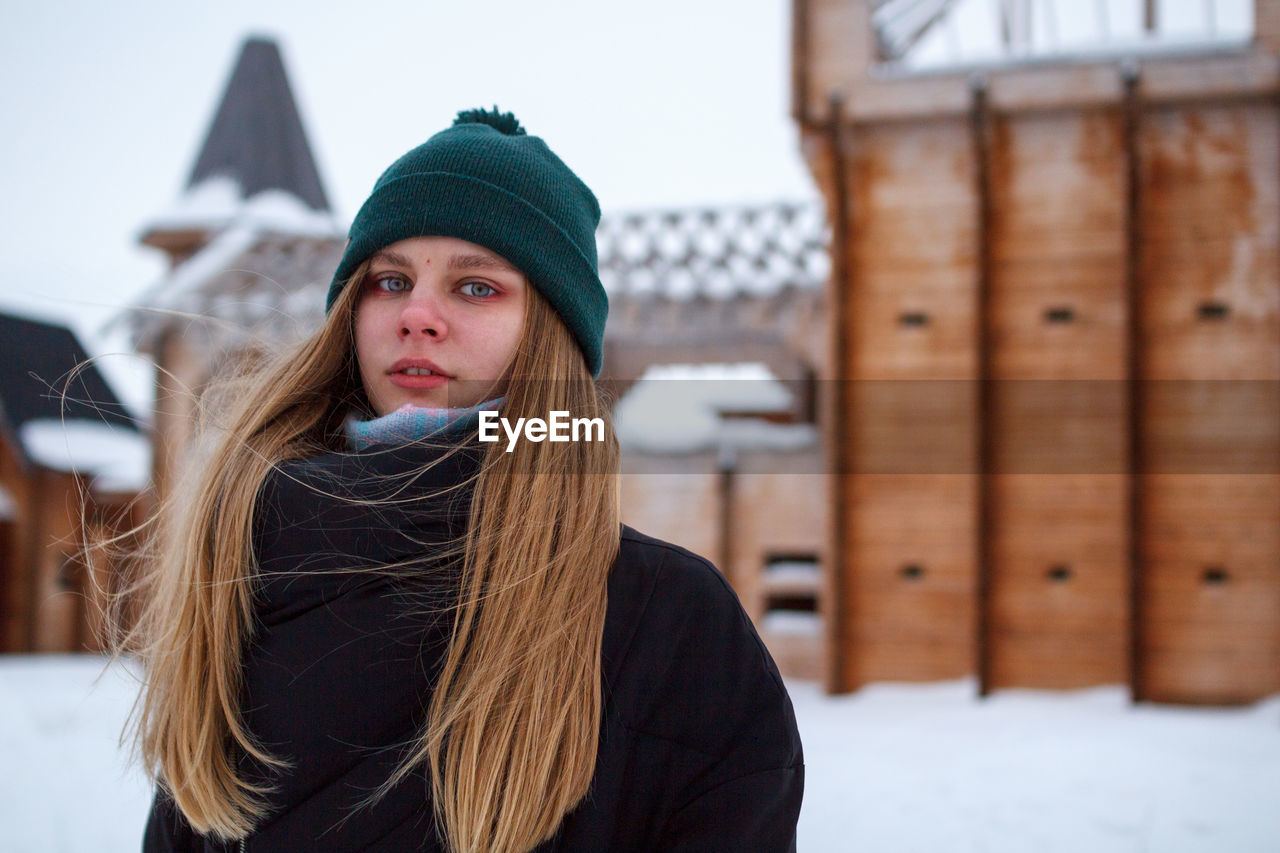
<point x="396" y="402"/>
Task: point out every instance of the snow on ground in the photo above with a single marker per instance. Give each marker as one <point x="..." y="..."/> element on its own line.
<point x="890" y="768"/>
<point x="932" y="768"/>
<point x="66" y="785"/>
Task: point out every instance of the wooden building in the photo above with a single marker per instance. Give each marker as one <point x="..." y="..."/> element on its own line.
<point x="251" y="242"/>
<point x="72" y="464"/>
<point x="1055" y="346"/>
<point x="717" y="459"/>
<point x="760" y="515"/>
<point x="715" y="335"/>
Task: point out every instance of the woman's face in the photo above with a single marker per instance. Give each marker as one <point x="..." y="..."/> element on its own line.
<point x="437" y="321"/>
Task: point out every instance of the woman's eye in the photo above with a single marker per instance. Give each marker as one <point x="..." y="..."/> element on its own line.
<point x="478" y="289"/>
<point x="392" y="284"/>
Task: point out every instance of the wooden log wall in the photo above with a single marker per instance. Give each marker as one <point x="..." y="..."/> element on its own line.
<point x="42" y="608"/>
<point x="1055" y="489"/>
<point x="676" y="501"/>
<point x="58" y="605"/>
<point x="15" y="548"/>
<point x="1210" y="543"/>
<point x="908" y="605"/>
<point x="765" y="506"/>
<point x="1092" y="253"/>
<point x="777" y="513"/>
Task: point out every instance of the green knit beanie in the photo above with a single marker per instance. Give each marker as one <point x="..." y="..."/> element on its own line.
<point x="486" y="181"/>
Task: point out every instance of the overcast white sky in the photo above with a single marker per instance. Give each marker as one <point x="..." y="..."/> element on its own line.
<point x="655" y="104"/>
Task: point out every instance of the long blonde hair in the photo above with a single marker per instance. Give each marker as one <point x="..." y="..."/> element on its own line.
<point x="511" y="734"/>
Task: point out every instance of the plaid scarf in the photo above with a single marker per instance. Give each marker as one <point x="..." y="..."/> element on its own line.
<point x="410" y="423"/>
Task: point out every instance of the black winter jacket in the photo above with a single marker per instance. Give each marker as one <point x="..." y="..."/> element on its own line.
<point x="698" y="743"/>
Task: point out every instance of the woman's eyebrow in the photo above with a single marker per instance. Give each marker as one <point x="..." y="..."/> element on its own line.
<point x="394" y="258"/>
<point x="475" y="262"/>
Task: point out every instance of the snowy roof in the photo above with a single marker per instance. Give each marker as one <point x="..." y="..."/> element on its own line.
<point x="219" y="202"/>
<point x="713" y="252"/>
<point x="679" y="408"/>
<point x="114" y="458"/>
<point x="268" y="268"/>
<point x="937" y="34"/>
<point x="256" y="137"/>
<point x="46" y="377"/>
<point x="46" y="373"/>
<point x="255" y="166"/>
<point x="246" y="278"/>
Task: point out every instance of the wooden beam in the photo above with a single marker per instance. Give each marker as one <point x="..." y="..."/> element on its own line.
<point x="34" y="555"/>
<point x="1134" y="349"/>
<point x="837" y="564"/>
<point x="799" y="58"/>
<point x="1266" y="25"/>
<point x="1228" y="74"/>
<point x="840" y="49"/>
<point x="726" y="466"/>
<point x="980" y="121"/>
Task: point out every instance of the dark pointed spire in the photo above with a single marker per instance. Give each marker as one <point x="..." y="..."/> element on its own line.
<point x="255" y="143"/>
<point x="256" y="137"/>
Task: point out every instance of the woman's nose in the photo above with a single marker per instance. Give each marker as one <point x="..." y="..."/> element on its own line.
<point x="422" y="317"/>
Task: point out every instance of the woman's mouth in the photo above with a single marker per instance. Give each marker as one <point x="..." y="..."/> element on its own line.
<point x="416" y="376"/>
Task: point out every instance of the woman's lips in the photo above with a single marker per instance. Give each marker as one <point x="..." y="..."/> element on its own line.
<point x="413" y="373"/>
<point x="408" y="380"/>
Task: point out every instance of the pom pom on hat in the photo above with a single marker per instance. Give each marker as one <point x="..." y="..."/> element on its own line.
<point x="506" y="123"/>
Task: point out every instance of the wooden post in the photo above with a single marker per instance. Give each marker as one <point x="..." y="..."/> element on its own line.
<point x="979" y="117"/>
<point x="726" y="466"/>
<point x="837" y="564"/>
<point x="839" y="51"/>
<point x="1134" y="348"/>
<point x="1266" y="24"/>
<point x="799" y="59"/>
<point x="34" y="555"/>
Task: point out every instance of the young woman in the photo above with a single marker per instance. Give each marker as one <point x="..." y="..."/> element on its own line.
<point x="368" y="630"/>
